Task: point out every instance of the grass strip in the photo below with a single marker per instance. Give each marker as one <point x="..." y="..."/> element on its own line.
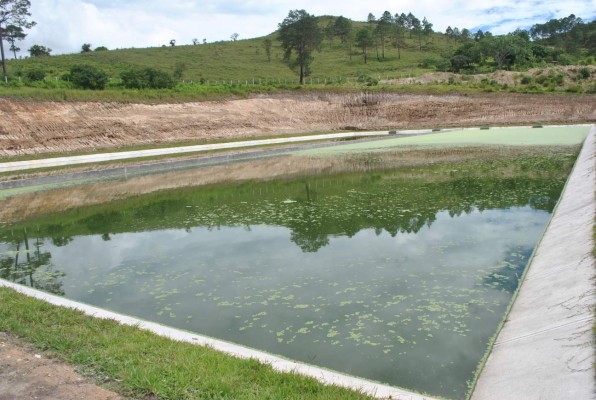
<point x="140" y="364"/>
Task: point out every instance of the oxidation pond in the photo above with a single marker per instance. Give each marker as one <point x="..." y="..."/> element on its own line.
<point x="396" y="279"/>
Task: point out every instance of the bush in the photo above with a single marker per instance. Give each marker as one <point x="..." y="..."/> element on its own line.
<point x="35" y="75"/>
<point x="147" y="78"/>
<point x="526" y="80"/>
<point x="429" y="62"/>
<point x="584" y="73"/>
<point x="574" y="89"/>
<point x="86" y="76"/>
<point x="564" y="59"/>
<point x="368" y="80"/>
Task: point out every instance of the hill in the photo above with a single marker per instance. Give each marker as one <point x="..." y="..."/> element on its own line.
<point x="247" y="59"/>
<point x="232" y="65"/>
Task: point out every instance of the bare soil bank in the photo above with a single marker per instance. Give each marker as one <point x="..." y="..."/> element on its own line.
<point x="26" y="374"/>
<point x="46" y="127"/>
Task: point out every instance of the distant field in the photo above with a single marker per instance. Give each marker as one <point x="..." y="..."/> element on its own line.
<point x="550" y="136"/>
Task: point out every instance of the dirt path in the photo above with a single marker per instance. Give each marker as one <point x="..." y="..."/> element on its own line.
<point x="25" y="374"/>
<point x="42" y="127"/>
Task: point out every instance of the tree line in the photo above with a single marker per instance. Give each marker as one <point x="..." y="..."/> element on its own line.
<point x="301" y="34"/>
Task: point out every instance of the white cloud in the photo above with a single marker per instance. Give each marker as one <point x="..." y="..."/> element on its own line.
<point x="64" y="25"/>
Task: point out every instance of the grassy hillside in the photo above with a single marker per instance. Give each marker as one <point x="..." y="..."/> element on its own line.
<point x="246" y="60"/>
<point x="238" y="68"/>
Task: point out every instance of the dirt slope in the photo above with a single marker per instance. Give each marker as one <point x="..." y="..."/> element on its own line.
<point x="40" y="127"/>
<point x="25" y="375"/>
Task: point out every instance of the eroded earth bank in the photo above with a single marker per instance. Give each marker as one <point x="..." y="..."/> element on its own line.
<point x="30" y="127"/>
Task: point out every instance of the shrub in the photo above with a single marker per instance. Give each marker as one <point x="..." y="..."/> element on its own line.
<point x="542" y="80"/>
<point x="368" y="80"/>
<point x="35" y="75"/>
<point x="574" y="89"/>
<point x="564" y="59"/>
<point x="526" y="80"/>
<point x="147" y="78"/>
<point x="584" y="73"/>
<point x="428" y="62"/>
<point x="86" y="76"/>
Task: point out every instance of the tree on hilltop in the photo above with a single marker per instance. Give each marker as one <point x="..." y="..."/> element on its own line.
<point x="39" y="51"/>
<point x="16" y="13"/>
<point x="300" y="33"/>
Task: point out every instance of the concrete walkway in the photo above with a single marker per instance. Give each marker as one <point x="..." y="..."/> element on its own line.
<point x="545" y="349"/>
<point x="102" y="157"/>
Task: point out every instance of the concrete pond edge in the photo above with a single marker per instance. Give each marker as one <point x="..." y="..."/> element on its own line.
<point x="545" y="345"/>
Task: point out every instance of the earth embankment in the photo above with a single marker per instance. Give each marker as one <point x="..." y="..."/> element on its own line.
<point x="33" y="127"/>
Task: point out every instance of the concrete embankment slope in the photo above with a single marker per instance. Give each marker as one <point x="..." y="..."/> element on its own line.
<point x="545" y="349"/>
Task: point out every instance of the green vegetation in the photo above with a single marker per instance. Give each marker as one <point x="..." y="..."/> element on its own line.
<point x="140" y="364"/>
<point x="353" y="55"/>
<point x="300" y="33"/>
<point x="87" y="77"/>
<point x="148" y="78"/>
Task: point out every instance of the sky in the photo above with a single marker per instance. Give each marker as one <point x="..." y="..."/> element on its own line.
<point x="65" y="25"/>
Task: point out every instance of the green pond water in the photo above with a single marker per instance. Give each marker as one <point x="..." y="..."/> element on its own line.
<point x="398" y="280"/>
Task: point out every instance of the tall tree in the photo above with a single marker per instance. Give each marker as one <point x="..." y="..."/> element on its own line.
<point x="12" y="34"/>
<point x="342" y="28"/>
<point x="417" y="29"/>
<point x="399" y="32"/>
<point x="427" y="27"/>
<point x="383" y="30"/>
<point x="505" y="48"/>
<point x="300" y="33"/>
<point x="13" y="12"/>
<point x="410" y="18"/>
<point x="364" y="40"/>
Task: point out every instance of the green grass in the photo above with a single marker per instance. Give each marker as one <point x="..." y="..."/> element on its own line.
<point x="139" y="364"/>
<point x="244" y="60"/>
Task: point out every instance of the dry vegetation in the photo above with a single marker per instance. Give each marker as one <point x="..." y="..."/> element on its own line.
<point x="48" y="127"/>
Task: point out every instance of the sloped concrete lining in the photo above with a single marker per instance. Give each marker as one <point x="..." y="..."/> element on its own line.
<point x="102" y="157"/>
<point x="545" y="349"/>
<point x="278" y="363"/>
